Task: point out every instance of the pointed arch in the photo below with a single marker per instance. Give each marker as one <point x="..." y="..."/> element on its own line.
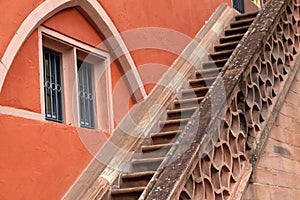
<point x="99" y="19"/>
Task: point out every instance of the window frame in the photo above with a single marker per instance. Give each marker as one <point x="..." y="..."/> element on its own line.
<point x="71" y="50"/>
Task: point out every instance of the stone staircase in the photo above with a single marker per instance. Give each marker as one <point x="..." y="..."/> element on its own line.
<point x="141" y="169"/>
<point x="216" y="125"/>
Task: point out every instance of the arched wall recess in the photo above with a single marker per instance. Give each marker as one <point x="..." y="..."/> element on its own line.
<point x="97" y="16"/>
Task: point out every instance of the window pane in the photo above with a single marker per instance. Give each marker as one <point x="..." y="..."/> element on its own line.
<point x="52" y="85"/>
<point x="85" y="94"/>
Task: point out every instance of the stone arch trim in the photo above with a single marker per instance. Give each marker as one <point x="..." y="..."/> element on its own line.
<point x="97" y="16"/>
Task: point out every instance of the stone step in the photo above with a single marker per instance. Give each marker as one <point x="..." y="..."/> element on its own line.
<point x="156" y="147"/>
<point x="212" y="72"/>
<point x="226" y="46"/>
<point x="238" y="30"/>
<point x="214" y="64"/>
<point x="142" y="161"/>
<point x="127" y="193"/>
<point x="164" y="137"/>
<point x="136" y="179"/>
<point x="194" y="92"/>
<point x="174" y="122"/>
<point x="231" y="38"/>
<point x="243" y="22"/>
<point x="146" y="164"/>
<point x="221" y="55"/>
<point x="202" y="82"/>
<point x="249" y="15"/>
<point x="189" y="102"/>
<point x="180" y="113"/>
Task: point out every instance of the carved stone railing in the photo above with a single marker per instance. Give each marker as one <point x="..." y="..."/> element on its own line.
<point x="136" y="126"/>
<point x="219" y="149"/>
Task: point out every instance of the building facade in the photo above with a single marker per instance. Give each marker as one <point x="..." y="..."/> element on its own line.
<point x="71" y="70"/>
<point x="51" y="52"/>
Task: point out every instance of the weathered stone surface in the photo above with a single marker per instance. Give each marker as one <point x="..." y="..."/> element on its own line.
<point x="278" y="172"/>
<point x="256" y="79"/>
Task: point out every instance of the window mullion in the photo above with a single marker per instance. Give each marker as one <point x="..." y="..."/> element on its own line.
<point x="46" y="88"/>
<point x="51" y="85"/>
<point x="80" y="91"/>
<point x="86" y="96"/>
<point x="55" y="86"/>
<point x="91" y="95"/>
<point x="58" y="88"/>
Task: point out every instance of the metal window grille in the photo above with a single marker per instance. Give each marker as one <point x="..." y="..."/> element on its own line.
<point x="86" y="96"/>
<point x="239" y="5"/>
<point x="52" y="85"/>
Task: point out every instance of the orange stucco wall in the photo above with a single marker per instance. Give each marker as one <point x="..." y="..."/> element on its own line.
<point x="17" y="87"/>
<point x="22" y="85"/>
<point x="41" y="160"/>
<point x="11" y="18"/>
<point x="70" y="22"/>
<point x="185" y="17"/>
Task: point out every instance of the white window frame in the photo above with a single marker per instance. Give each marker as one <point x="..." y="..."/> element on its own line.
<point x="71" y="50"/>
